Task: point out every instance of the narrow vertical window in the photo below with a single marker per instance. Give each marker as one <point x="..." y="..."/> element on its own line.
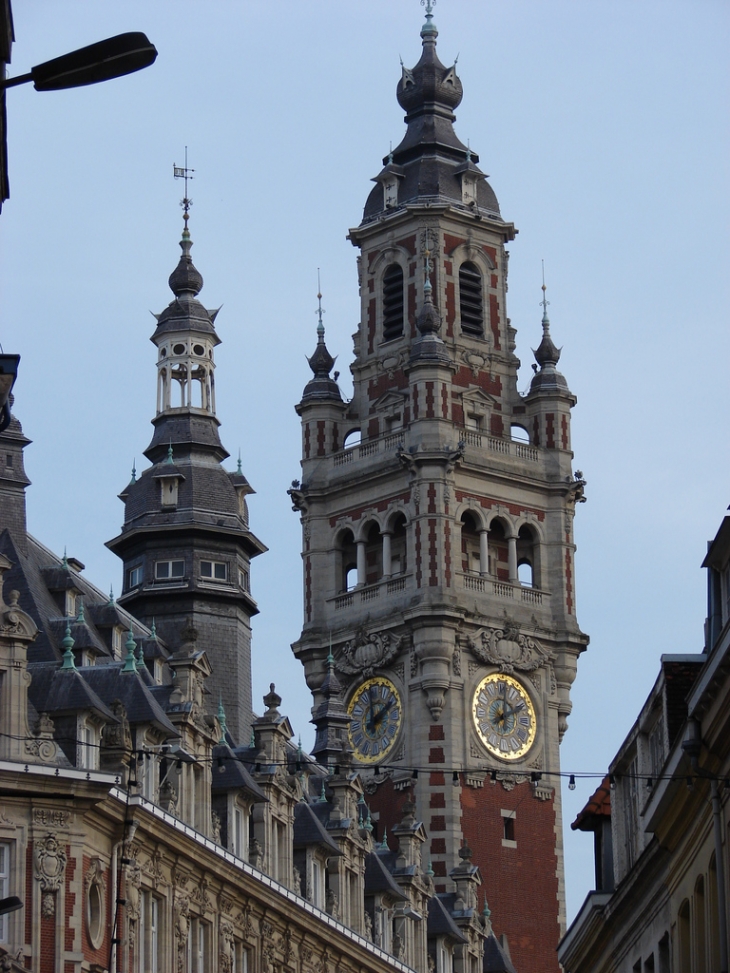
<point x="471" y="304"/>
<point x="392" y="303"/>
<point x="4" y="887"/>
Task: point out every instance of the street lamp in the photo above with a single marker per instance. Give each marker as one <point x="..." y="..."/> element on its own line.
<point x="111" y="58"/>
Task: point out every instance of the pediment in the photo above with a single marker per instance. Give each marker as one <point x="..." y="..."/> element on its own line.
<point x="391" y="400"/>
<point x="477" y="396"/>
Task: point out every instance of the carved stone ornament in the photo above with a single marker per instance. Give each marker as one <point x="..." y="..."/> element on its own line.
<point x="50" y="865"/>
<point x="181" y="923"/>
<point x="367" y="652"/>
<point x="132" y="883"/>
<point x="14" y="622"/>
<point x="227" y="943"/>
<point x="43" y="747"/>
<point x="508" y="649"/>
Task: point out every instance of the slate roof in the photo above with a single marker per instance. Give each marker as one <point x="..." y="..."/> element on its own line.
<point x="379" y="879"/>
<point x="308" y="830"/>
<point x="233" y="774"/>
<point x="440" y="922"/>
<point x="496" y="959"/>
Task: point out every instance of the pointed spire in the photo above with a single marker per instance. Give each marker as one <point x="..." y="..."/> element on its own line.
<point x="130" y="663"/>
<point x="67" y="642"/>
<point x="134" y="471"/>
<point x="64" y="560"/>
<point x="384" y="843"/>
<point x="323" y="794"/>
<point x="185" y="279"/>
<point x="140" y="655"/>
<point x="547" y="353"/>
<point x="238" y="468"/>
<point x="321" y="362"/>
<point x="153" y="631"/>
<point x="110" y="603"/>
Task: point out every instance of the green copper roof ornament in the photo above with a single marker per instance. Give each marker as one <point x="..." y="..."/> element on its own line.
<point x="110" y="603"/>
<point x="140" y="655"/>
<point x="134" y="471"/>
<point x="322" y="795"/>
<point x="222" y="719"/>
<point x="369" y="822"/>
<point x="80" y="617"/>
<point x="384" y="842"/>
<point x="64" y="562"/>
<point x="252" y="742"/>
<point x="130" y="664"/>
<point x="169" y="454"/>
<point x="153" y="631"/>
<point x="429" y="871"/>
<point x="69" y="664"/>
<point x="239" y="470"/>
<point x="429" y="28"/>
<point x="486" y="911"/>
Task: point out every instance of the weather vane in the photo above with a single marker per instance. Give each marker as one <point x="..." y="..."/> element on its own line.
<point x="429" y="5"/>
<point x="182" y="172"/>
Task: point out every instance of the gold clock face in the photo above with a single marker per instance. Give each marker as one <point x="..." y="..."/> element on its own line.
<point x="376" y="714"/>
<point x="504" y="716"/>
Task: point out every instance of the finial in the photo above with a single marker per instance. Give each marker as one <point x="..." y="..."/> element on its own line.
<point x="80" y="616"/>
<point x="369" y="823"/>
<point x="130" y="663"/>
<point x="110" y="603"/>
<point x="429" y="871"/>
<point x="322" y="794"/>
<point x="384" y="842"/>
<point x="65" y="559"/>
<point x="169" y="453"/>
<point x="153" y="631"/>
<point x="427" y="274"/>
<point x="67" y="642"/>
<point x="134" y="471"/>
<point x="182" y="172"/>
<point x="252" y="741"/>
<point x="390" y="153"/>
<point x="330" y="656"/>
<point x="468" y="149"/>
<point x="300" y="752"/>
<point x="486" y="911"/>
<point x="319" y="312"/>
<point x="222" y="719"/>
<point x="544" y="302"/>
<point x="429" y="28"/>
<point x="239" y="470"/>
<point x="140" y="655"/>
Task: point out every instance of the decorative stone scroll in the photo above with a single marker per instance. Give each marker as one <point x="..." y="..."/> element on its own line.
<point x="508" y="649"/>
<point x="368" y="651"/>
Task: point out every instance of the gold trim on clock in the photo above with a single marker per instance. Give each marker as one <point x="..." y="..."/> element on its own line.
<point x="504" y="716"/>
<point x="376" y="714"/>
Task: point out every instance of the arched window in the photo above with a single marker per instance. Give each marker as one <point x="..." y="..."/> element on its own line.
<point x="518" y="434"/>
<point x="470" y="559"/>
<point x="392" y="302"/>
<point x="352" y="438"/>
<point x="373" y="555"/>
<point x="684" y="943"/>
<point x="700" y="925"/>
<point x="471" y="303"/>
<point x="398" y="563"/>
<point x="527" y="558"/>
<point x="346" y="562"/>
<point x="498" y="551"/>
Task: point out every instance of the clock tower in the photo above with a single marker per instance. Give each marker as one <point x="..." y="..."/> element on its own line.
<point x="437" y="512"/>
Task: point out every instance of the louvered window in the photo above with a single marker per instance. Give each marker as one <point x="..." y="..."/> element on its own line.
<point x="471" y="305"/>
<point x="392" y="303"/>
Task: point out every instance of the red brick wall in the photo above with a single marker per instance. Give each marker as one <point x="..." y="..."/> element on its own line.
<point x="520" y="883"/>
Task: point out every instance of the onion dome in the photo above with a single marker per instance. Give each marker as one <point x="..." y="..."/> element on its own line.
<point x="429" y="86"/>
<point x="186" y="278"/>
<point x="431" y="163"/>
<point x="321" y="387"/>
<point x="548" y="379"/>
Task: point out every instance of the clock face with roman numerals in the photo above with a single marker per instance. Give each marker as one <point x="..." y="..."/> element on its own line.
<point x="504" y="716"/>
<point x="376" y="714"/>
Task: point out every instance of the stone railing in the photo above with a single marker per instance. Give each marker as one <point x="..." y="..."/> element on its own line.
<point x="504" y="589"/>
<point x="506" y="447"/>
<point x="384" y="444"/>
<point x="371" y="592"/>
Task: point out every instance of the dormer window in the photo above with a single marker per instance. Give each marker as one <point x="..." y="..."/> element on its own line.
<point x="392" y="302"/>
<point x="390" y="191"/>
<point x="471" y="305"/>
<point x="87" y="750"/>
<point x="134" y="577"/>
<point x="70" y="603"/>
<point x="117" y="633"/>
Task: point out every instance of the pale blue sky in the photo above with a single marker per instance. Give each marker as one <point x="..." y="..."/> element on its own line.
<point x="604" y="128"/>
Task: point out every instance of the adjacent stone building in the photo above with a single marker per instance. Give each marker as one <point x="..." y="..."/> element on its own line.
<point x="660" y="818"/>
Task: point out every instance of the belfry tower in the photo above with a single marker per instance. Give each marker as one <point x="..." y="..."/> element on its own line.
<point x="437" y="510"/>
<point x="186" y="542"/>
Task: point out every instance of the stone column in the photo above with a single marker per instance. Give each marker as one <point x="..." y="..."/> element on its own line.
<point x="360" y="563"/>
<point x="484" y="553"/>
<point x="387" y="565"/>
<point x="512" y="558"/>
